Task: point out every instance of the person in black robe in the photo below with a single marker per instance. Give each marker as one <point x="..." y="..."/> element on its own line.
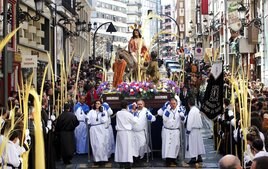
<point x="49" y="130"/>
<point x="66" y="123"/>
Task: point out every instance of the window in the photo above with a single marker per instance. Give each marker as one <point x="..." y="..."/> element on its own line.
<point x="181" y="12"/>
<point x="181" y="27"/>
<point x="181" y="5"/>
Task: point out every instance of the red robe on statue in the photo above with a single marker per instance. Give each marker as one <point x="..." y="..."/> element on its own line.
<point x="119" y="67"/>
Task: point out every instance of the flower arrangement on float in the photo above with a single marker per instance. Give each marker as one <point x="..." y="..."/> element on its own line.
<point x="144" y="90"/>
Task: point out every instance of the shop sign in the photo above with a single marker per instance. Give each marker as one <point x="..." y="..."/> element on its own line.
<point x="29" y="61"/>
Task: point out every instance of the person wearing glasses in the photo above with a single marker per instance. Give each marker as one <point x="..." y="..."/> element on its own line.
<point x="97" y="119"/>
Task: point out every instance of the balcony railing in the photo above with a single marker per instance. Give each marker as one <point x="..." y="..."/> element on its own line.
<point x="69" y="5"/>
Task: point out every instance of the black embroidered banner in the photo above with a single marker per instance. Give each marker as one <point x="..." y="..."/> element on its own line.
<point x="212" y="105"/>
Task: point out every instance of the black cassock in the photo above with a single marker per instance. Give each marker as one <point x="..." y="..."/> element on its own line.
<point x="31" y="158"/>
<point x="66" y="123"/>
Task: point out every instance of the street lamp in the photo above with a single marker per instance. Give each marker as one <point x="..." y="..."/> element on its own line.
<point x="83" y="26"/>
<point x="23" y="15"/>
<point x="178" y="27"/>
<point x="242" y="12"/>
<point x="110" y="29"/>
<point x="7" y="17"/>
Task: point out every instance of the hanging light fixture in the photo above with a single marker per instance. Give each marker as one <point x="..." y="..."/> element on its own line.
<point x="205" y="22"/>
<point x="39" y="6"/>
<point x="242" y="11"/>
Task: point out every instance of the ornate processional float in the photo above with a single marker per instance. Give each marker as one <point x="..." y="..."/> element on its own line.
<point x="153" y="95"/>
<point x="133" y="75"/>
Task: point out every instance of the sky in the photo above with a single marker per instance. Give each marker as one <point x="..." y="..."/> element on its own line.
<point x="165" y="2"/>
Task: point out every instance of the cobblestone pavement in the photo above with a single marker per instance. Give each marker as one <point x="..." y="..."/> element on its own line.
<point x="210" y="159"/>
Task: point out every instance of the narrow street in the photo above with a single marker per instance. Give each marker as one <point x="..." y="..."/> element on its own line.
<point x="210" y="159"/>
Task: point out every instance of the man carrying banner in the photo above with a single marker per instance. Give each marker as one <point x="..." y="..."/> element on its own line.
<point x="212" y="104"/>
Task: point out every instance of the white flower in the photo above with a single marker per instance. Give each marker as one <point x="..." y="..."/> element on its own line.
<point x="151" y="90"/>
<point x="131" y="90"/>
<point x="141" y="89"/>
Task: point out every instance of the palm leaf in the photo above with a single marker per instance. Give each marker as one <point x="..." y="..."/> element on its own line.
<point x="7" y="38"/>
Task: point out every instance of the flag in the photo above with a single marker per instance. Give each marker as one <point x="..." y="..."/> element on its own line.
<point x="204" y="4"/>
<point x="212" y="104"/>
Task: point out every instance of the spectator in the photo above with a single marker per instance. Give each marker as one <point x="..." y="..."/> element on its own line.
<point x="260" y="163"/>
<point x="257" y="149"/>
<point x="230" y="162"/>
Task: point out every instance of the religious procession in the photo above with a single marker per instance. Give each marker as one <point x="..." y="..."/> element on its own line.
<point x="186" y="105"/>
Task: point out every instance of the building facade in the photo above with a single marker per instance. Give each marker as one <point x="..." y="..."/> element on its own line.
<point x="169" y="39"/>
<point x="51" y="34"/>
<point x="114" y="11"/>
<point x="264" y="42"/>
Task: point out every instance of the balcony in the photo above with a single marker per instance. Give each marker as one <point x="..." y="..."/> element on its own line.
<point x="138" y="13"/>
<point x="69" y="5"/>
<point x="137" y="3"/>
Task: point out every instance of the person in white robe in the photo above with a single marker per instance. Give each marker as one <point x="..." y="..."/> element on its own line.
<point x="110" y="133"/>
<point x="140" y="129"/>
<point x="97" y="119"/>
<point x="80" y="132"/>
<point x="194" y="142"/>
<point x="257" y="149"/>
<point x="172" y="120"/>
<point x="10" y="158"/>
<point x="124" y="147"/>
<point x="3" y="117"/>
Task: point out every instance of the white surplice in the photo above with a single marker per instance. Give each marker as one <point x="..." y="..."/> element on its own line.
<point x="110" y="134"/>
<point x="194" y="142"/>
<point x="124" y="148"/>
<point x="141" y="135"/>
<point x="98" y="134"/>
<point x="171" y="133"/>
<point x="11" y="156"/>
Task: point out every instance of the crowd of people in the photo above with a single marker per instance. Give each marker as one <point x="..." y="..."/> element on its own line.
<point x="231" y="137"/>
<point x="85" y="125"/>
<point x="84" y="121"/>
